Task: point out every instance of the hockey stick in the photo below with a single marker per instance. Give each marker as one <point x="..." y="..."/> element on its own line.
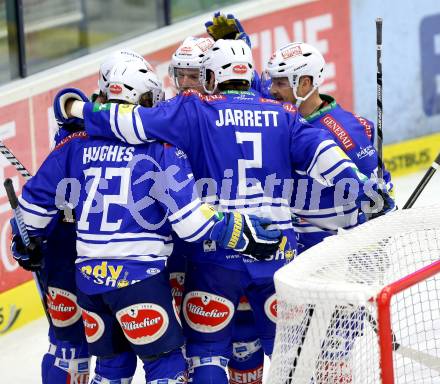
<point x="422" y="184"/>
<point x="379" y="101"/>
<point x="13" y="201"/>
<point x="423" y="358"/>
<point x="4" y="150"/>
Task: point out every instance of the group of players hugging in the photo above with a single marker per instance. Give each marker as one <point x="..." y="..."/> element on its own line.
<point x="185" y="208"/>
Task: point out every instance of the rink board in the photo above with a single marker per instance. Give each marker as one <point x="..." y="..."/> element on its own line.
<point x="19" y="306"/>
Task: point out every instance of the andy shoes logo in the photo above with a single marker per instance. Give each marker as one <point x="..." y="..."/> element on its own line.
<point x="143" y="323"/>
<point x="62" y="307"/>
<point x="206" y="312"/>
<point x="93" y="326"/>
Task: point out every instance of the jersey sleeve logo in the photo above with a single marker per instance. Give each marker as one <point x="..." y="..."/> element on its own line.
<point x="338" y="131"/>
<point x="366" y="125"/>
<point x="75" y="135"/>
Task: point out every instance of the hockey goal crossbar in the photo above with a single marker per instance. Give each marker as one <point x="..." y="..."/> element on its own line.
<point x="387" y="342"/>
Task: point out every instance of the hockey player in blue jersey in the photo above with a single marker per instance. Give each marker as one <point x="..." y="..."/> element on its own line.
<point x="67" y="360"/>
<point x="241" y="148"/>
<point x="247" y="359"/>
<point x="296" y="71"/>
<point x="184" y="70"/>
<point x="122" y="249"/>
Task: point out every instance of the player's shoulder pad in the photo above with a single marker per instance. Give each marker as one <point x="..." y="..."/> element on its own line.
<point x="72" y="136"/>
<point x="202" y="97"/>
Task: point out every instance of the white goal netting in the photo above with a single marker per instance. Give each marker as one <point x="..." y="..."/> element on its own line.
<point x="327" y="329"/>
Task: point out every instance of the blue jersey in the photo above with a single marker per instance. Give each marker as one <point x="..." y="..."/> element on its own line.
<point x="324" y="210"/>
<point x="242" y="148"/>
<point x="127" y="201"/>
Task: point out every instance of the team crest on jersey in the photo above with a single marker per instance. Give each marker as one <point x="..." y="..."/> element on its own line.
<point x="180" y="154"/>
<point x="62" y="307"/>
<point x="244" y="305"/>
<point x="75" y="135"/>
<point x="93" y="326"/>
<point x="270" y="308"/>
<point x="206" y="312"/>
<point x="289" y="108"/>
<point x="177" y="281"/>
<point x="143" y="323"/>
<point x="338" y="131"/>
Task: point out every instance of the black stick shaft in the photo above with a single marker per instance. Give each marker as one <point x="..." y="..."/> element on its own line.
<point x="422" y="184"/>
<point x="13" y="201"/>
<point x="4" y="150"/>
<point x="379" y="100"/>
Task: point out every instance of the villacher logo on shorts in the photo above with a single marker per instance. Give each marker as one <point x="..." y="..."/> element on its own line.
<point x="270" y="308"/>
<point x="206" y="312"/>
<point x="93" y="326"/>
<point x="143" y="323"/>
<point x="62" y="307"/>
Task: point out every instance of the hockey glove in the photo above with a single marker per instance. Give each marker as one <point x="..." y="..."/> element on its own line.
<point x="63" y="121"/>
<point x="388" y="205"/>
<point x="226" y="27"/>
<point x="246" y="234"/>
<point x="30" y="258"/>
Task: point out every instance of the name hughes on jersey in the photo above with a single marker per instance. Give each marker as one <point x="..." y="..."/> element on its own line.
<point x="247" y="118"/>
<point x="107" y="153"/>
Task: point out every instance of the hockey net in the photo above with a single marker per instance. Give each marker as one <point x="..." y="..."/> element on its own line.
<point x="363" y="306"/>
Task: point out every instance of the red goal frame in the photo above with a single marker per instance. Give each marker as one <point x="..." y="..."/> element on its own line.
<point x="385" y="333"/>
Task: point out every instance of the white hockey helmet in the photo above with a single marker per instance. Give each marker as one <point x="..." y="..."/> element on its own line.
<point x="228" y="60"/>
<point x="123" y="55"/>
<point x="129" y="81"/>
<point x="189" y="55"/>
<point x="294" y="61"/>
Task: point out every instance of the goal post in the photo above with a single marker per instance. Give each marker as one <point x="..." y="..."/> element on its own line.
<point x="363" y="306"/>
